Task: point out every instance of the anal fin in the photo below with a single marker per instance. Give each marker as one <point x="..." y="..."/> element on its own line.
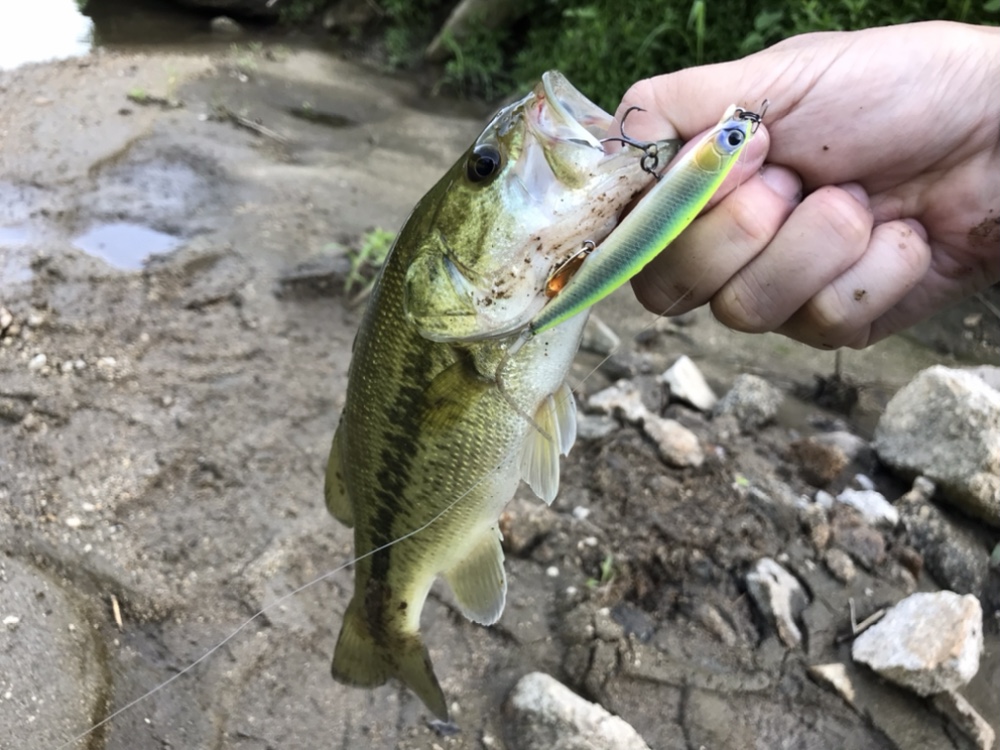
<point x="479" y="582"/>
<point x="335" y="484"/>
<point x="556" y="416"/>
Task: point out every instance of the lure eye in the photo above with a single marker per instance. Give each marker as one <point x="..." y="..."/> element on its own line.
<point x="734" y="138"/>
<point x="484" y="163"/>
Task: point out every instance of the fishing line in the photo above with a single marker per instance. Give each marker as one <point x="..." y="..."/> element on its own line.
<point x="522" y="339"/>
<point x="322" y="577"/>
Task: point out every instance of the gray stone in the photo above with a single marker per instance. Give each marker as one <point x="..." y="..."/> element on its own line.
<point x="599" y="338"/>
<point x="595" y="426"/>
<point x="945" y="424"/>
<point x="928" y="642"/>
<point x="840" y="565"/>
<point x="965" y="718"/>
<point x="954" y="557"/>
<point x="780" y="598"/>
<point x="544" y="714"/>
<point x="872" y="506"/>
<point x="834" y="676"/>
<point x="622" y="399"/>
<point x="677" y="445"/>
<point x="687" y="384"/>
<point x="752" y="401"/>
<point x="225" y="26"/>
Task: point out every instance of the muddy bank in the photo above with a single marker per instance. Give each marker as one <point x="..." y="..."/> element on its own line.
<point x="163" y="431"/>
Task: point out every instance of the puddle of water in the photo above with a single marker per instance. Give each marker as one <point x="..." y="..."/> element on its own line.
<point x="42" y="30"/>
<point x="124" y="245"/>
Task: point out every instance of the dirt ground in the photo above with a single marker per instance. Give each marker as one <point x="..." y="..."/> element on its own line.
<point x="163" y="433"/>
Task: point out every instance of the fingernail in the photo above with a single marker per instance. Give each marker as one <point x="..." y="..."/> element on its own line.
<point x="782" y="181"/>
<point x="857" y="192"/>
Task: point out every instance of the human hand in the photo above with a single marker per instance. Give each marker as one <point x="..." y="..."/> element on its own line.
<point x="878" y="203"/>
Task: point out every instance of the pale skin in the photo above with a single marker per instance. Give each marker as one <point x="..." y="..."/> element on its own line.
<point x="869" y="199"/>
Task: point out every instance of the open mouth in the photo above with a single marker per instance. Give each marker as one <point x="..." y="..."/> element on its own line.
<point x="563" y="113"/>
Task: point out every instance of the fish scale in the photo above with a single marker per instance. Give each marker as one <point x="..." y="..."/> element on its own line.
<point x="428" y="449"/>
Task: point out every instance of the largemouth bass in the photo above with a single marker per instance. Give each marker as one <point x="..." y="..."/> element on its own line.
<point x="428" y="451"/>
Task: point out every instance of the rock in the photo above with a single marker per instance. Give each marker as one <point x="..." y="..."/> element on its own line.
<point x="225" y="26"/>
<point x="819" y="462"/>
<point x="928" y="642"/>
<point x="677" y="445"/>
<point x="840" y="565"/>
<point x="543" y="714"/>
<point x="954" y="557"/>
<point x="780" y="598"/>
<point x="989" y="374"/>
<point x="862" y="542"/>
<point x="599" y="338"/>
<point x="687" y="384"/>
<point x="945" y="424"/>
<point x="835" y="677"/>
<point x="872" y="506"/>
<point x="965" y="718"/>
<point x="621" y="399"/>
<point x="815" y="520"/>
<point x="523" y="524"/>
<point x="851" y="445"/>
<point x="594" y="426"/>
<point x="752" y="401"/>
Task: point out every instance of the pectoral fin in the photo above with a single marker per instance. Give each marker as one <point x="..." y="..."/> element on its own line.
<point x="335" y="487"/>
<point x="479" y="582"/>
<point x="540" y="455"/>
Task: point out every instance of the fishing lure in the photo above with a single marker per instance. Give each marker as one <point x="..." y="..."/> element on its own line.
<point x="673" y="203"/>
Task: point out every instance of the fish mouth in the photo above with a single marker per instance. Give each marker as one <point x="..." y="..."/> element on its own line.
<point x="563" y="113"/>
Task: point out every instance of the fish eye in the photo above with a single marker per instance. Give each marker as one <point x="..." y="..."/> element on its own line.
<point x="734" y="138"/>
<point x="484" y="163"/>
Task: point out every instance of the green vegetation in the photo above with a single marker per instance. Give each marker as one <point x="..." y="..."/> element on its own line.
<point x="607" y="575"/>
<point x="605" y="45"/>
<point x="366" y="259"/>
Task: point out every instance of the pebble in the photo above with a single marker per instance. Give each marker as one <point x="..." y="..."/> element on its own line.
<point x="840" y="565"/>
<point x="954" y="557"/>
<point x="677" y="445"/>
<point x="543" y="714"/>
<point x="819" y="462"/>
<point x="872" y="506"/>
<point x="865" y="544"/>
<point x="780" y="597"/>
<point x="687" y="384"/>
<point x="599" y="338"/>
<point x="37" y="362"/>
<point x="961" y="714"/>
<point x="622" y="399"/>
<point x="752" y="401"/>
<point x="928" y="643"/>
<point x="835" y="677"/>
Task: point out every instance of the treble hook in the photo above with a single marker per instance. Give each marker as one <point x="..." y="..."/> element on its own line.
<point x="754" y="117"/>
<point x="650" y="151"/>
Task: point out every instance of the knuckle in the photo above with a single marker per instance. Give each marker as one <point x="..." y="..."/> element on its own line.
<point x="844" y="217"/>
<point x="736" y="307"/>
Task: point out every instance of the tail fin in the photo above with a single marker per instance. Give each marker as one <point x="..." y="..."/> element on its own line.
<point x="360" y="661"/>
